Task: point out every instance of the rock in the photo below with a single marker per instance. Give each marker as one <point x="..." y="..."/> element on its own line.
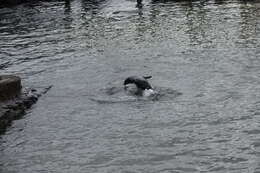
<point x="10" y="87"/>
<point x="16" y="107"/>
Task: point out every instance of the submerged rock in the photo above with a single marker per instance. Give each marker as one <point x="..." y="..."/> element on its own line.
<point x="10" y="87"/>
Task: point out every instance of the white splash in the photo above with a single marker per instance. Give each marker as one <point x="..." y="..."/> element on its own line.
<point x="149" y="92"/>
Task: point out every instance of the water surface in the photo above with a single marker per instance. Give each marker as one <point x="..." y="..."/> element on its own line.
<point x="204" y="59"/>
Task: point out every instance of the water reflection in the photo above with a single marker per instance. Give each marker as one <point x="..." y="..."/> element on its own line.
<point x="139" y="4"/>
<point x="173" y="1"/>
<point x="67" y="6"/>
<point x="219" y="2"/>
<point x="200" y="20"/>
<point x="249" y="22"/>
<point x="68" y="19"/>
<point x="92" y="6"/>
<point x="197" y="22"/>
<point x="206" y="50"/>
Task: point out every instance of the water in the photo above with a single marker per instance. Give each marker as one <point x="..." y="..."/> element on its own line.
<point x="204" y="57"/>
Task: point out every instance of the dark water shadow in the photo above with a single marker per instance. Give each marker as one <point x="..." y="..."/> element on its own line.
<point x="172" y="1"/>
<point x="92" y="6"/>
<point x="68" y="18"/>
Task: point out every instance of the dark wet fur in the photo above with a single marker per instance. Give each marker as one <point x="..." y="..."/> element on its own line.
<point x="140" y="82"/>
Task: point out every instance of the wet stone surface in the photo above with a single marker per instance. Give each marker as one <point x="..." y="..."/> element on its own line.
<point x="16" y="107"/>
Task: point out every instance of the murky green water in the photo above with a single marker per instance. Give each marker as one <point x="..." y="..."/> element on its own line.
<point x="204" y="57"/>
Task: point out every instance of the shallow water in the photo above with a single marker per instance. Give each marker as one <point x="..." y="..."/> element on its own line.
<point x="204" y="59"/>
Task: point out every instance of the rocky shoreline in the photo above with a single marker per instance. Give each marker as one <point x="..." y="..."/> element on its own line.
<point x="14" y="101"/>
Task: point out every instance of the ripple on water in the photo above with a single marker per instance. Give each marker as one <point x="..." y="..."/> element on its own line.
<point x="117" y="94"/>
